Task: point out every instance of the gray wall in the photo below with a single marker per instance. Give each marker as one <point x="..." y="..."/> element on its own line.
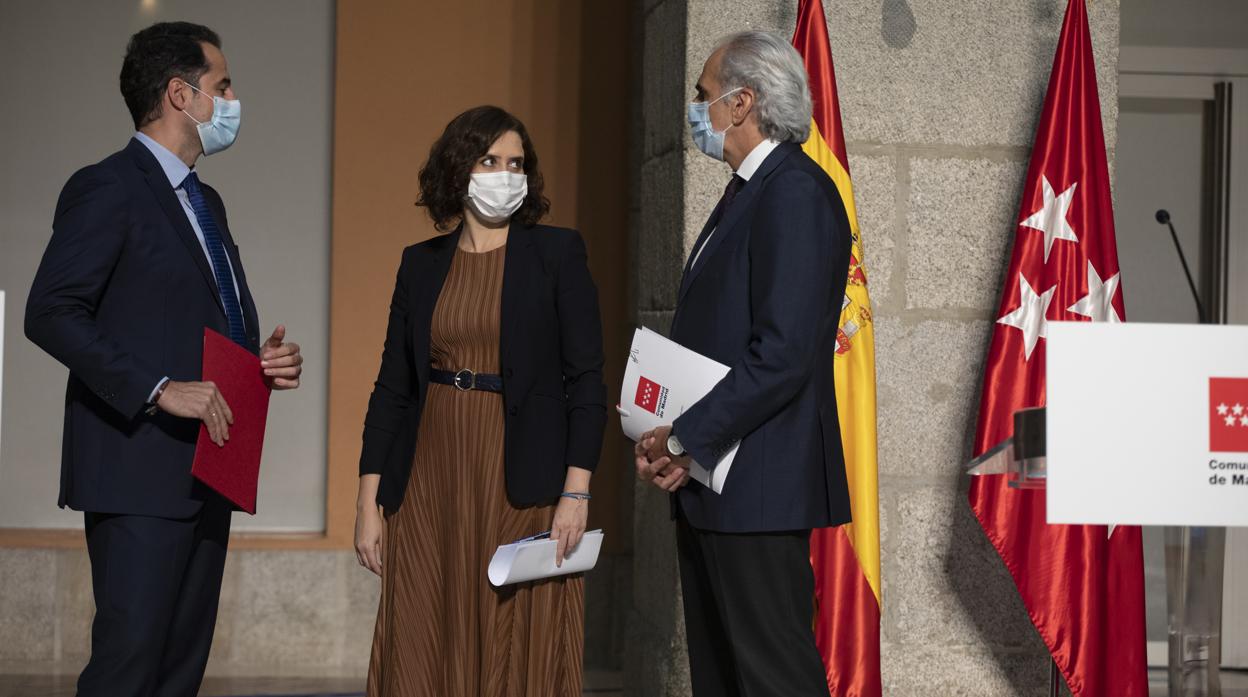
<point x="64" y="111"/>
<point x="1201" y="24"/>
<point x="940" y="101"/>
<point x="1160" y="164"/>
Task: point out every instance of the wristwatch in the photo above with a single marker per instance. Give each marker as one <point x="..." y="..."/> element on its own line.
<point x="674" y="447"/>
<point x="152" y="409"/>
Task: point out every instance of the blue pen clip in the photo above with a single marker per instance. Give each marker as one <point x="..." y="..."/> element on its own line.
<point x="534" y="538"/>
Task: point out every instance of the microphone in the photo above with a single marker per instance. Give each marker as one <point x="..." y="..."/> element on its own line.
<point x="1163" y="217"/>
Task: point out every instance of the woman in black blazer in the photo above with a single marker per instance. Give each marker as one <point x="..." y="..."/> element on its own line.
<point x="484" y="427"/>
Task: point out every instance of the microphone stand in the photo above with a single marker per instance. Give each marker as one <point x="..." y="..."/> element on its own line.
<point x="1163" y="217"/>
<point x="1195" y="560"/>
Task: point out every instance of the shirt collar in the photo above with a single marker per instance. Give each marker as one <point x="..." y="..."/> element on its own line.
<point x="175" y="169"/>
<point x="754" y="160"/>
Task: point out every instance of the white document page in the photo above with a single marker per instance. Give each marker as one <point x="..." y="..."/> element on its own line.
<point x="662" y="380"/>
<point x="534" y="557"/>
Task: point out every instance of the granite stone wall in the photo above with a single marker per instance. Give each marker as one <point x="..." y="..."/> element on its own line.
<point x="940" y="99"/>
<point x="282" y="614"/>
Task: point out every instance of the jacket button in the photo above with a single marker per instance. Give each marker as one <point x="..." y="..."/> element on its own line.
<point x="513" y="411"/>
<point x="508" y="373"/>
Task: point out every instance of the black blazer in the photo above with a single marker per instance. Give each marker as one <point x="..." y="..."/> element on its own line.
<point x="554" y="400"/>
<point x="121" y="297"/>
<point x="764" y="298"/>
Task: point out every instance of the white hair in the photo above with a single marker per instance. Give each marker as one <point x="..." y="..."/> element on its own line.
<point x="769" y="65"/>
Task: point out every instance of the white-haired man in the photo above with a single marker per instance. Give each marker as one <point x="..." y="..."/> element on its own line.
<point x="761" y="293"/>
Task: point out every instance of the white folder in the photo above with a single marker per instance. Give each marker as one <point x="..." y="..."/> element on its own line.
<point x="534" y="557"/>
<point x="662" y="380"/>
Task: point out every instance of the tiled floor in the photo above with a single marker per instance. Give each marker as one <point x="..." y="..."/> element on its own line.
<point x="596" y="685"/>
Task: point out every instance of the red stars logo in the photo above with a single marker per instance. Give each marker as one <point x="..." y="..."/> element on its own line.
<point x="1228" y="415"/>
<point x="649" y="395"/>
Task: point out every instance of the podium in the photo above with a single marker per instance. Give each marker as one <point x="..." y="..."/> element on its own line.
<point x="1020" y="457"/>
<point x="1141" y="410"/>
<point x="1195" y="557"/>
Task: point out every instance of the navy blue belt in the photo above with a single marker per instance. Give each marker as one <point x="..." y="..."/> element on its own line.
<point x="466" y="380"/>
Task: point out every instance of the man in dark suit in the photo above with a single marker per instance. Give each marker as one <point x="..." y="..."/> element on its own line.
<point x="141" y="260"/>
<point x="761" y="293"/>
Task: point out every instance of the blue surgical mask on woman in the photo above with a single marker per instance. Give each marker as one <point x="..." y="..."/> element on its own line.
<point x="708" y="140"/>
<point x="219" y="132"/>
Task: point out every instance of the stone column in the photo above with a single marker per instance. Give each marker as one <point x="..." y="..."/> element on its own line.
<point x="940" y="100"/>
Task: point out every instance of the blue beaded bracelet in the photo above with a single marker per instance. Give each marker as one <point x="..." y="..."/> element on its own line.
<point x="579" y="496"/>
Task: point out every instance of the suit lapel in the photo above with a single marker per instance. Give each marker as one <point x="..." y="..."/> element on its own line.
<point x="163" y="191"/>
<point x="518" y="264"/>
<point x="711" y="223"/>
<point x="432" y="276"/>
<point x="730" y="217"/>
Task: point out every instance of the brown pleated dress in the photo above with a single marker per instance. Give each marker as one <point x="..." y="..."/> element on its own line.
<point x="442" y="629"/>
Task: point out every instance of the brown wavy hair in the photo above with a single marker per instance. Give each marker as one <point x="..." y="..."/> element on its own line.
<point x="467" y="138"/>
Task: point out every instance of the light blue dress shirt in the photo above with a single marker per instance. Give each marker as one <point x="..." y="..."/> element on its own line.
<point x="176" y="170"/>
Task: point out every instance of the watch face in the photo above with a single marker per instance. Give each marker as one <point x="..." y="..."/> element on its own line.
<point x="673" y="446"/>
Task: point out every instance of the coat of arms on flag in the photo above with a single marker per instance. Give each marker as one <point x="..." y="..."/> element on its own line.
<point x="846" y="560"/>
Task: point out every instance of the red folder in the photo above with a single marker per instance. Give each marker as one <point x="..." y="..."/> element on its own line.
<point x="234" y="470"/>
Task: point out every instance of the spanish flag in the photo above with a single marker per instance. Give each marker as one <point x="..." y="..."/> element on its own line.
<point x="846" y="559"/>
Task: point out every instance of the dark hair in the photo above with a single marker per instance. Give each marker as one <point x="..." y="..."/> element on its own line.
<point x="467" y="138"/>
<point x="155" y="56"/>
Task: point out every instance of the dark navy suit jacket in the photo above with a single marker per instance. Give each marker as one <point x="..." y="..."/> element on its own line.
<point x="764" y="298"/>
<point x="121" y="298"/>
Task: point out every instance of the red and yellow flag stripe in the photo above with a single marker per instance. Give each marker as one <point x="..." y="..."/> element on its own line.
<point x="846" y="560"/>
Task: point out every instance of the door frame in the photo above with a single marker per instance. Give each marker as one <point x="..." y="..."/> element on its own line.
<point x="1190" y="73"/>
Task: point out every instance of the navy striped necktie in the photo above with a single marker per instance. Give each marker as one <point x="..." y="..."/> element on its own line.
<point x="220" y="261"/>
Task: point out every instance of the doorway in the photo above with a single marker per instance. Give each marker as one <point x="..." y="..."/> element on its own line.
<point x="1182" y="147"/>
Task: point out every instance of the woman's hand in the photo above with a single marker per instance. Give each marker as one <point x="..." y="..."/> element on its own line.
<point x="571" y="515"/>
<point x="369" y="527"/>
<point x="369" y="530"/>
<point x="568" y="528"/>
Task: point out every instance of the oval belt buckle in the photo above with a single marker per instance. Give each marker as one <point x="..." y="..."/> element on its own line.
<point x="465" y="380"/>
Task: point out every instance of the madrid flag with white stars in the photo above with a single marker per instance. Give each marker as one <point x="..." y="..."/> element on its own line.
<point x="1083" y="586"/>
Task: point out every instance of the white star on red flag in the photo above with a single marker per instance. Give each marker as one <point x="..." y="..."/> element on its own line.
<point x="1051" y="218"/>
<point x="1030" y="315"/>
<point x="1099" y="302"/>
<point x="1098" y="598"/>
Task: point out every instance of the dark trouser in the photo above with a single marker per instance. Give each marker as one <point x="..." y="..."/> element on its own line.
<point x="156" y="583"/>
<point x="749" y="604"/>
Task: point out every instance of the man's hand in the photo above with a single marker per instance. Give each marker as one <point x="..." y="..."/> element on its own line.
<point x="199" y="400"/>
<point x="656" y="465"/>
<point x="282" y="362"/>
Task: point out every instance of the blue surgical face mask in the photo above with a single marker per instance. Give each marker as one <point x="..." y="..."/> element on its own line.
<point x="708" y="140"/>
<point x="219" y="132"/>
